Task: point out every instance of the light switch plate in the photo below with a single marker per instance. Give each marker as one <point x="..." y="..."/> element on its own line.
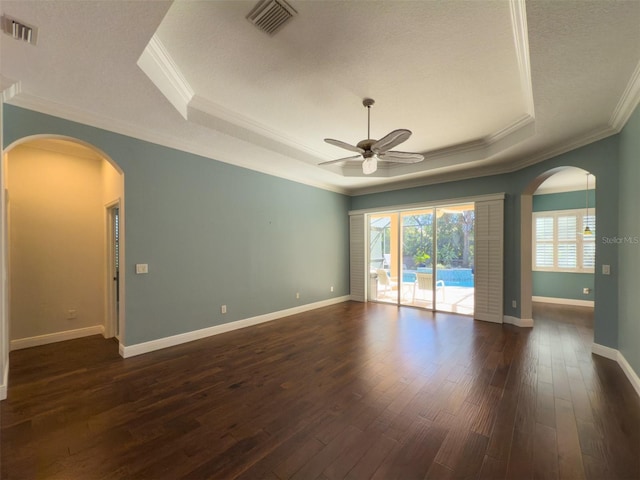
<point x="142" y="268"/>
<point x="606" y="269"/>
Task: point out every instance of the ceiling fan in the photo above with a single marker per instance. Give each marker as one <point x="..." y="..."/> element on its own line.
<point x="370" y="150"/>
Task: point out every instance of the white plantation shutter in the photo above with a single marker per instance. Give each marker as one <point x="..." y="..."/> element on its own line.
<point x="357" y="257"/>
<point x="559" y="244"/>
<point x="543" y="254"/>
<point x="489" y="243"/>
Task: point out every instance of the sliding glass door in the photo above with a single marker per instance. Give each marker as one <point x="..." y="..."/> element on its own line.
<point x="417" y="258"/>
<point x="455" y="267"/>
<point x="423" y="258"/>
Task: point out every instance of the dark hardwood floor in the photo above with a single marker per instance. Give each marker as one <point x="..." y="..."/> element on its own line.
<point x="350" y="391"/>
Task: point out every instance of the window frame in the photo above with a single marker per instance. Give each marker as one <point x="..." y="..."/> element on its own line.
<point x="579" y="214"/>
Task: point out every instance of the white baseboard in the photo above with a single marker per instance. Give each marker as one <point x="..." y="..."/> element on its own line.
<point x="56" y="337"/>
<point x="146" y="347"/>
<point x="518" y="322"/>
<point x="613" y="354"/>
<point x="564" y="301"/>
<point x="606" y="352"/>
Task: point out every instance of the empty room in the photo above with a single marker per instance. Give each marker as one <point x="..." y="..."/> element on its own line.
<point x="304" y="239"/>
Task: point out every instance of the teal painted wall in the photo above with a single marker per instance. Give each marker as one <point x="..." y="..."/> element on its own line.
<point x="599" y="158"/>
<point x="629" y="249"/>
<point x="562" y="284"/>
<point x="212" y="234"/>
<point x="563" y="201"/>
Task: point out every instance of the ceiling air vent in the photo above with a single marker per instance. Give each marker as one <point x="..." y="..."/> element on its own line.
<point x="19" y="30"/>
<point x="271" y="15"/>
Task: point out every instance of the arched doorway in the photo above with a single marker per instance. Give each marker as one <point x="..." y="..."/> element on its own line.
<point x="567" y="190"/>
<point x="59" y="192"/>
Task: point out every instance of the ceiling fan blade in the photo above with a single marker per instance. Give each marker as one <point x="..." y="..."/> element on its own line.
<point x="391" y="140"/>
<point x="344" y="145"/>
<point x="401" y="157"/>
<point x="346" y="159"/>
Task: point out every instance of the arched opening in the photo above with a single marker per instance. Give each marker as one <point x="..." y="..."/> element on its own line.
<point x="62" y="247"/>
<point x="557" y="257"/>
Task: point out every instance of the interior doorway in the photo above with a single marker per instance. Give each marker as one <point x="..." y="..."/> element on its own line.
<point x="113" y="268"/>
<point x="58" y="281"/>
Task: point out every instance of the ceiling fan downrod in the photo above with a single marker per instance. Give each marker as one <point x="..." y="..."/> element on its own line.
<point x="368" y="102"/>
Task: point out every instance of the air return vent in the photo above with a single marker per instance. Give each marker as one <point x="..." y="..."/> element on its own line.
<point x="271" y="15"/>
<point x="19" y="30"/>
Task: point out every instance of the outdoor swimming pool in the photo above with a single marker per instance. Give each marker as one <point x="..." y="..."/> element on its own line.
<point x="452" y="277"/>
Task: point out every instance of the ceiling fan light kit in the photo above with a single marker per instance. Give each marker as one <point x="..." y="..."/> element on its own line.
<point x="371" y="150"/>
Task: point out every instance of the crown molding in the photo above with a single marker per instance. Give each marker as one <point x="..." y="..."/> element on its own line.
<point x="9" y="88"/>
<point x="163" y="72"/>
<point x="518" y="11"/>
<point x="564" y="148"/>
<point x="627" y="103"/>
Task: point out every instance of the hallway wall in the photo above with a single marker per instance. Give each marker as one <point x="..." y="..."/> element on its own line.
<point x="56" y="242"/>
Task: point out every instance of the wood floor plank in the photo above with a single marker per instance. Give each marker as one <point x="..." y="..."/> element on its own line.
<point x="353" y="390"/>
<point x="569" y="452"/>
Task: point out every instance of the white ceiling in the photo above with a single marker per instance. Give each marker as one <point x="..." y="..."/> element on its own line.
<point x="485" y="86"/>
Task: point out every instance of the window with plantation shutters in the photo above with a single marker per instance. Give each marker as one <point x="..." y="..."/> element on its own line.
<point x="559" y="242"/>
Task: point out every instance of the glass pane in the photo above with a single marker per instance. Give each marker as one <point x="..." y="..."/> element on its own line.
<point x="454" y="286"/>
<point x="417" y="258"/>
<point x="383" y="258"/>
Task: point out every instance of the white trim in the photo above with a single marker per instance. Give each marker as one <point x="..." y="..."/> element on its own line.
<point x="564" y="301"/>
<point x="521" y="41"/>
<point x="617" y="356"/>
<point x="163" y="72"/>
<point x="629" y="372"/>
<point x="431" y="203"/>
<point x="518" y="322"/>
<point x="628" y="102"/>
<point x="603" y="351"/>
<point x="28" y="342"/>
<point x="152" y="345"/>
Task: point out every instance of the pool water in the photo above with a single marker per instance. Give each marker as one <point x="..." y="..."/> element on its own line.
<point x="455" y="277"/>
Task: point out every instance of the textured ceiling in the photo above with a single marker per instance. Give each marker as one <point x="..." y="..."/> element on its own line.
<point x="485" y="86"/>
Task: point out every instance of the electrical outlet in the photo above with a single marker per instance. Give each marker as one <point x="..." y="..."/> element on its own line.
<point x="514" y="304"/>
<point x="606" y="269"/>
<point x="223" y="309"/>
<point x="297" y="294"/>
<point x="72" y="314"/>
<point x="586" y="290"/>
<point x="332" y="288"/>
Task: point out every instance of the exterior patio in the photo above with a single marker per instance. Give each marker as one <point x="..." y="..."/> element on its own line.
<point x="455" y="294"/>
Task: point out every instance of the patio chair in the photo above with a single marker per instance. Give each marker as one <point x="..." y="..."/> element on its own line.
<point x="424" y="281"/>
<point x="385" y="281"/>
